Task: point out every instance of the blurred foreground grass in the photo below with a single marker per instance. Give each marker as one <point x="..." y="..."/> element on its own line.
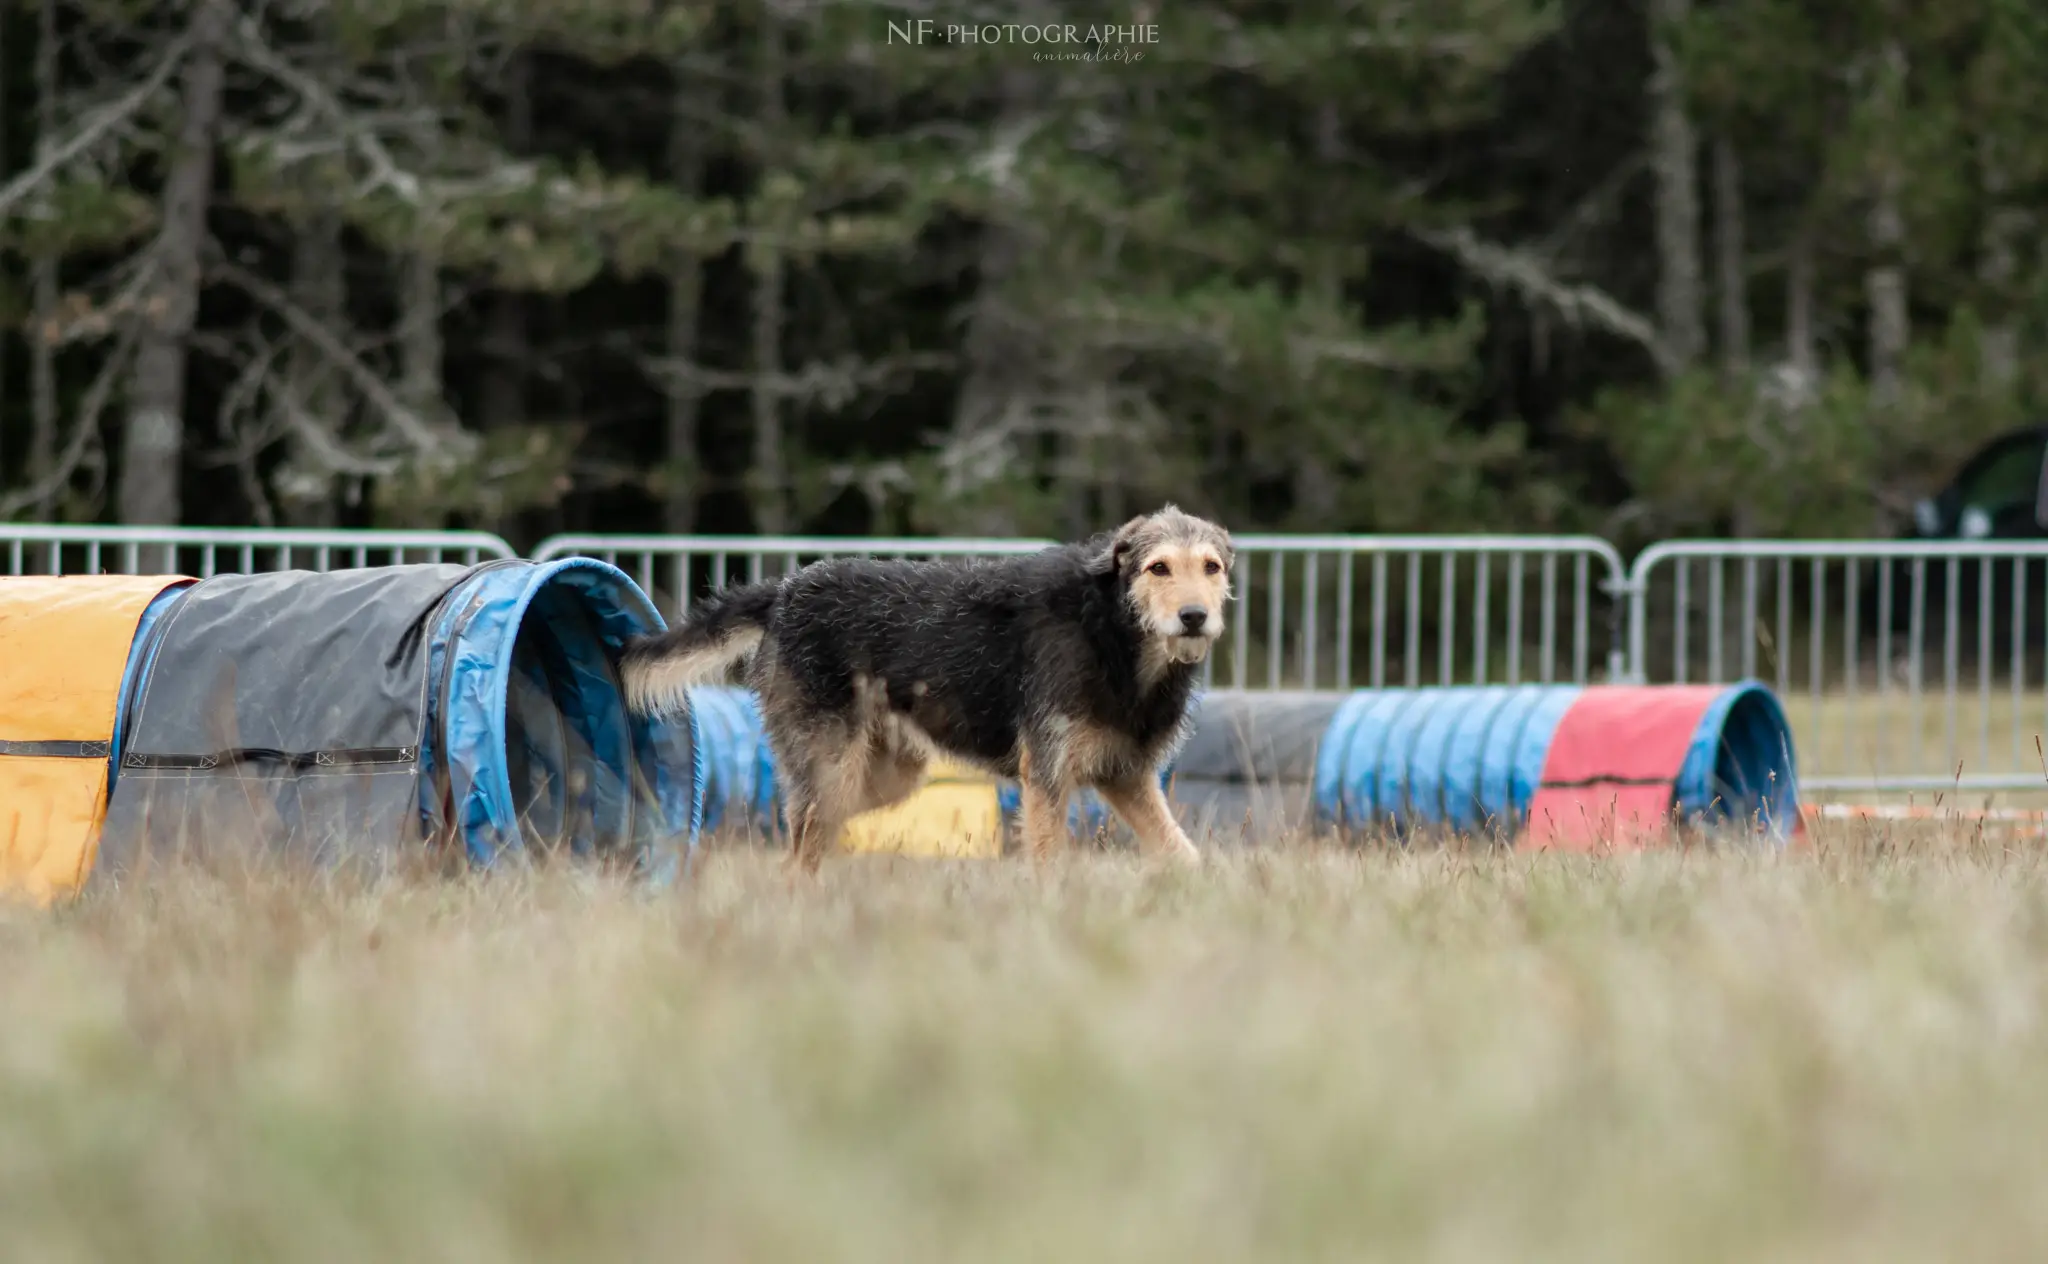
<point x="1300" y="1054"/>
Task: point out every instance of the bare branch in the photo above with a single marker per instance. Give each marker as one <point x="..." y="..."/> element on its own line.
<point x="258" y="53"/>
<point x="84" y="431"/>
<point x="832" y="384"/>
<point x="421" y="434"/>
<point x="102" y="121"/>
<point x="321" y="444"/>
<point x="1527" y="275"/>
<point x="1365" y="353"/>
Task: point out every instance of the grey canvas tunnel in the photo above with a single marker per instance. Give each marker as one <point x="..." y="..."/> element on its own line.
<point x="353" y="715"/>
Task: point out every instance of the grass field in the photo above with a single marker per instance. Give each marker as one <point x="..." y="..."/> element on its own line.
<point x="1299" y="1054"/>
<point x="1869" y="733"/>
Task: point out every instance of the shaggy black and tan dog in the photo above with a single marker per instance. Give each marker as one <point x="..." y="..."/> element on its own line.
<point x="1062" y="669"/>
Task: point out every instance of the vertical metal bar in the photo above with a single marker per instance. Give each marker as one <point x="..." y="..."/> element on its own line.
<point x="1582" y="616"/>
<point x="1309" y="627"/>
<point x="720" y="563"/>
<point x="1515" y="618"/>
<point x="1411" y="652"/>
<point x="131" y="560"/>
<point x="363" y="556"/>
<point x="1784" y="652"/>
<point x="1241" y="650"/>
<point x="1548" y="615"/>
<point x="646" y="570"/>
<point x="1447" y="620"/>
<point x="1852" y="672"/>
<point x="1916" y="634"/>
<point x="14" y="557"/>
<point x="92" y="558"/>
<point x="1276" y="622"/>
<point x="1482" y="594"/>
<point x="1884" y="630"/>
<point x="1816" y="633"/>
<point x="754" y="563"/>
<point x="1681" y="619"/>
<point x="1983" y="664"/>
<point x="1344" y="619"/>
<point x="1379" y="620"/>
<point x="1749" y="620"/>
<point x="1949" y="634"/>
<point x="1717" y="621"/>
<point x="682" y="582"/>
<point x="2016" y="666"/>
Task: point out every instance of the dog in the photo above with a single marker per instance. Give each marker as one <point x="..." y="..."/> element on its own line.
<point x="1067" y="668"/>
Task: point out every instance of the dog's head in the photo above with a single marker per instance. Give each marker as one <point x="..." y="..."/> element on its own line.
<point x="1174" y="570"/>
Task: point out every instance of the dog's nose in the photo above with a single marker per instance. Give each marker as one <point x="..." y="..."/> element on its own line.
<point x="1193" y="617"/>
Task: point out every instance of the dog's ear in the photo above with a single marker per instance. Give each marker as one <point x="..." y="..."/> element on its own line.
<point x="1110" y="559"/>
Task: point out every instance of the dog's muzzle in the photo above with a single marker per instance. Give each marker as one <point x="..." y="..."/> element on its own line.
<point x="1190" y="642"/>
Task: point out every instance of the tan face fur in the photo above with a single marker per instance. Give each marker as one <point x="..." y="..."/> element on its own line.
<point x="1177" y="574"/>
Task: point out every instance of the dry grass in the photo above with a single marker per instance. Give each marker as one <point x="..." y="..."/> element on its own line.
<point x="1300" y="1054"/>
<point x="1870" y="733"/>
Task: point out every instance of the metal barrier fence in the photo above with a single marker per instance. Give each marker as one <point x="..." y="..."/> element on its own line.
<point x="677" y="569"/>
<point x="205" y="551"/>
<point x="1349" y="611"/>
<point x="1903" y="666"/>
<point x="1330" y="612"/>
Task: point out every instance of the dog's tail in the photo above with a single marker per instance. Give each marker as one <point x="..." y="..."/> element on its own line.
<point x="721" y="632"/>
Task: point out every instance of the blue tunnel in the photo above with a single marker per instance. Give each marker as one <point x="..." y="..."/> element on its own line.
<point x="355" y="714"/>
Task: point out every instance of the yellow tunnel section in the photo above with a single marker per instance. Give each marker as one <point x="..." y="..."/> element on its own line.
<point x="955" y="813"/>
<point x="64" y="644"/>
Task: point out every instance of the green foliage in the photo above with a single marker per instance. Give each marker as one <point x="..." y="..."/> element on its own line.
<point x="1757" y="456"/>
<point x="1208" y="269"/>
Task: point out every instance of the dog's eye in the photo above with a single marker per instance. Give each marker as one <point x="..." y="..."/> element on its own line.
<point x="1212" y="567"/>
<point x="1160" y="569"/>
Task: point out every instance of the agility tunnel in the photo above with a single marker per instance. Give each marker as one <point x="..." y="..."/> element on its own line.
<point x="342" y="716"/>
<point x="66" y="659"/>
<point x="1544" y="766"/>
<point x="1557" y="766"/>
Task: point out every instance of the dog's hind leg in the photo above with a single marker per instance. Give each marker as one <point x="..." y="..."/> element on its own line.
<point x="1143" y="806"/>
<point x="834" y="782"/>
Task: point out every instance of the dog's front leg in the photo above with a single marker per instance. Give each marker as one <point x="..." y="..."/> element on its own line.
<point x="1143" y="806"/>
<point x="1044" y="808"/>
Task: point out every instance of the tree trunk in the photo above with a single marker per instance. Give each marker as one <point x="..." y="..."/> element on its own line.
<point x="43" y="280"/>
<point x="1799" y="332"/>
<point x="1000" y="353"/>
<point x="771" y="473"/>
<point x="153" y="442"/>
<point x="1675" y="160"/>
<point x="503" y="402"/>
<point x="1315" y="481"/>
<point x="685" y="295"/>
<point x="420" y="329"/>
<point x="1998" y="269"/>
<point x="1884" y="284"/>
<point x="320" y="289"/>
<point x="5" y="171"/>
<point x="1731" y="260"/>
